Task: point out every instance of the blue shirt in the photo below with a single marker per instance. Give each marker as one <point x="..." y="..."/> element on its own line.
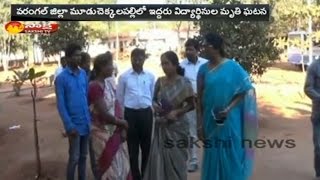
<point x="72" y="103"/>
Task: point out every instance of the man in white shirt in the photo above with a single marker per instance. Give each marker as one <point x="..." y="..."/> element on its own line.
<point x="63" y="64"/>
<point x="134" y="93"/>
<point x="191" y="64"/>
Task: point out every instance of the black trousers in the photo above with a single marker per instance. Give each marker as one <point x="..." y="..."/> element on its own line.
<point x="139" y="136"/>
<point x="316" y="142"/>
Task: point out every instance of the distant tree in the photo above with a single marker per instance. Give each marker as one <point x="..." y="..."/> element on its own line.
<point x="100" y="29"/>
<point x="249" y="42"/>
<point x="286" y="18"/>
<point x="69" y="31"/>
<point x="293" y="15"/>
<point x="9" y="44"/>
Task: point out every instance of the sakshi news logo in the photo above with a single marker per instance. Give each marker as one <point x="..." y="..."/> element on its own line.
<point x="15" y="27"/>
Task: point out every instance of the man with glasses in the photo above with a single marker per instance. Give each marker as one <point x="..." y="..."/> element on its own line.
<point x="134" y="93"/>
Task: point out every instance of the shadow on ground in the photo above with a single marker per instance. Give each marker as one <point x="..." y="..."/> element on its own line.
<point x="50" y="170"/>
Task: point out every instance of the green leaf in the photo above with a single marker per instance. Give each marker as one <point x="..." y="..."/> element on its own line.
<point x="39" y="74"/>
<point x="18" y="73"/>
<point x="31" y="74"/>
<point x="25" y="75"/>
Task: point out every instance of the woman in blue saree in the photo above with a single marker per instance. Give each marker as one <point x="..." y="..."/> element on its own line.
<point x="225" y="90"/>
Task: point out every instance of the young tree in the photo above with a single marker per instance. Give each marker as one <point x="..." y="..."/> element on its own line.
<point x="33" y="77"/>
<point x="18" y="80"/>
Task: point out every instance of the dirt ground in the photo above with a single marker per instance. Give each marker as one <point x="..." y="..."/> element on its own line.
<point x="284" y="114"/>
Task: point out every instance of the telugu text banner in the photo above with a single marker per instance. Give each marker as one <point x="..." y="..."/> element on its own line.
<point x="125" y="12"/>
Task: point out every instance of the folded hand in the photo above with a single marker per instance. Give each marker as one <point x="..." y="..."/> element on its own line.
<point x="173" y="115"/>
<point x="123" y="135"/>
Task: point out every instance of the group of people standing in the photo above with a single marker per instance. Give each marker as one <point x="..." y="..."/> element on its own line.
<point x="114" y="121"/>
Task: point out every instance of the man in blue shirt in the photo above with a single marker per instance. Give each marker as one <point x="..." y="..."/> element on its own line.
<point x="71" y="92"/>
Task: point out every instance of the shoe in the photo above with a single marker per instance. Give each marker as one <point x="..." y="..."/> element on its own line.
<point x="193" y="168"/>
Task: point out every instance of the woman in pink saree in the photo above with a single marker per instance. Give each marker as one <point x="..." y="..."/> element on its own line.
<point x="109" y="155"/>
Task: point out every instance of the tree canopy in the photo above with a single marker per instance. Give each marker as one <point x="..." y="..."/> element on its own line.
<point x="248" y="42"/>
<point x="69" y="31"/>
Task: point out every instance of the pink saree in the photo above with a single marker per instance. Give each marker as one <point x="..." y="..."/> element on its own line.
<point x="109" y="156"/>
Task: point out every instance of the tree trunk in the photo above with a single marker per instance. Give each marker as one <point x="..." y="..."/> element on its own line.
<point x="35" y="49"/>
<point x="6" y="60"/>
<point x="42" y="60"/>
<point x="30" y="52"/>
<point x="16" y="90"/>
<point x="59" y="64"/>
<point x="5" y="64"/>
<point x="34" y="53"/>
<point x="109" y="23"/>
<point x="188" y="30"/>
<point x="35" y="126"/>
<point x="178" y="33"/>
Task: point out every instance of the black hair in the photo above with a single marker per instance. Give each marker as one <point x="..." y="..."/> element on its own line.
<point x="138" y="52"/>
<point x="71" y="48"/>
<point x="84" y="58"/>
<point x="173" y="58"/>
<point x="100" y="61"/>
<point x="217" y="42"/>
<point x="194" y="43"/>
<point x="62" y="59"/>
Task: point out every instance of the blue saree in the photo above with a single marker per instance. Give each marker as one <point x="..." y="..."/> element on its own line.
<point x="227" y="151"/>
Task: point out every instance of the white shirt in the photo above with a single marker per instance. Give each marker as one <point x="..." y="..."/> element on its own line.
<point x="135" y="90"/>
<point x="57" y="72"/>
<point x="191" y="70"/>
<point x="115" y="69"/>
<point x="112" y="78"/>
